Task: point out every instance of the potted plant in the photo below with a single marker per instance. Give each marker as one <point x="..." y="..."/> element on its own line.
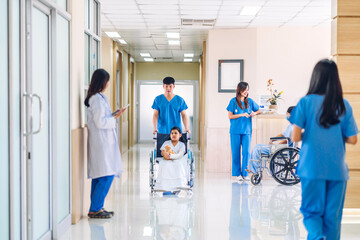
<point x="275" y="95"/>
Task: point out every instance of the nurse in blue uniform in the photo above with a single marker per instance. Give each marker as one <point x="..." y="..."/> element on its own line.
<point x="324" y="121"/>
<point x="240" y="110"/>
<point x="169" y="109"/>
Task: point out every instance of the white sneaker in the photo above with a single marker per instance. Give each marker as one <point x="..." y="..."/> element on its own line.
<point x="240" y="178"/>
<point x="246" y="178"/>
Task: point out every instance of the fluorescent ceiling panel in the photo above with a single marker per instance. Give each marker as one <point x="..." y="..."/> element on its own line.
<point x="122" y="41"/>
<point x="145" y="54"/>
<point x="149" y="59"/>
<point x="113" y="34"/>
<point x="190" y="55"/>
<point x="187" y="59"/>
<point x="173" y="35"/>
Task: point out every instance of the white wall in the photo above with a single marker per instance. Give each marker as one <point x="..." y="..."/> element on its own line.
<point x="287" y="55"/>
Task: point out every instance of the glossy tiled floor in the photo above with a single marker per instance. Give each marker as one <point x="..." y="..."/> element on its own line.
<point x="219" y="208"/>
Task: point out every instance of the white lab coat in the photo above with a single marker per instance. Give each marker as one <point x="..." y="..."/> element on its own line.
<point x="104" y="157"/>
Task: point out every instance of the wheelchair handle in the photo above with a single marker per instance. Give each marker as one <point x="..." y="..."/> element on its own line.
<point x="279" y="138"/>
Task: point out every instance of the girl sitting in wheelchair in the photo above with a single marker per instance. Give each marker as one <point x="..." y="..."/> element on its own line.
<point x="172" y="172"/>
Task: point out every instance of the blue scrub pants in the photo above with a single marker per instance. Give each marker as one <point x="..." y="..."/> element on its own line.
<point x="239" y="141"/>
<point x="99" y="189"/>
<point x="322" y="205"/>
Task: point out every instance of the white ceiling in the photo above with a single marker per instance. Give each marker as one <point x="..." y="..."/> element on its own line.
<point x="143" y="23"/>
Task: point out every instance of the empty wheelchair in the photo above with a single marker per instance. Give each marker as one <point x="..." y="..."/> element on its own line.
<point x="278" y="160"/>
<point x="155" y="157"/>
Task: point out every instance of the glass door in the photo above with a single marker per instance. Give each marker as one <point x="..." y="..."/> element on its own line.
<point x="39" y="177"/>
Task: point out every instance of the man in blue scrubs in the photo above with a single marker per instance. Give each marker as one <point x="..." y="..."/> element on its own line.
<point x="168" y="108"/>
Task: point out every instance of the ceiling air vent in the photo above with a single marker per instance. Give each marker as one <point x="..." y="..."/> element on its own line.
<point x="198" y="22"/>
<point x="163" y="58"/>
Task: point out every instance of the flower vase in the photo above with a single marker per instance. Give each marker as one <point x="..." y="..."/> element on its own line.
<point x="273" y="108"/>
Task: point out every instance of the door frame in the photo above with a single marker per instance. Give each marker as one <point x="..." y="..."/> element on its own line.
<point x="194" y="83"/>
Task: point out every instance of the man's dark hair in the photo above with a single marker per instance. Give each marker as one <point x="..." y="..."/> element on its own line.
<point x="176" y="128"/>
<point x="289" y="110"/>
<point x="169" y="80"/>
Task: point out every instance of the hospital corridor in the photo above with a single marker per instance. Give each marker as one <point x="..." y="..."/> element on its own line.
<point x="179" y="119"/>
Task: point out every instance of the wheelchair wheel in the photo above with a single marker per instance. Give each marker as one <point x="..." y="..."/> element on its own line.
<point x="283" y="164"/>
<point x="151" y="171"/>
<point x="256" y="178"/>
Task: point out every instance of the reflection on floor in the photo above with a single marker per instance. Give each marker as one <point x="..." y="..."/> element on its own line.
<point x="220" y="208"/>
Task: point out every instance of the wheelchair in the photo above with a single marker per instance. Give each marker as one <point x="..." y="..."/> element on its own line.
<point x="155" y="156"/>
<point x="280" y="162"/>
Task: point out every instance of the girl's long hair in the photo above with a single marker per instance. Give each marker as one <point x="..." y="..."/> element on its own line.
<point x="98" y="82"/>
<point x="325" y="81"/>
<point x="240" y="88"/>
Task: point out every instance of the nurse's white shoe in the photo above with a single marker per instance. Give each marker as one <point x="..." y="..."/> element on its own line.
<point x="240" y="178"/>
<point x="246" y="178"/>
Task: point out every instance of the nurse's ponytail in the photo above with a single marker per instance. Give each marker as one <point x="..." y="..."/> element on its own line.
<point x="98" y="82"/>
<point x="242" y="86"/>
<point x="325" y="81"/>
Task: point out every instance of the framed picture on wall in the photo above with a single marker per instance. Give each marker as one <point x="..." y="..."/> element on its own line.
<point x="230" y="73"/>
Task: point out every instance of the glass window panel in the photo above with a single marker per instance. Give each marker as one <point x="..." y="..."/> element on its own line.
<point x="91" y="15"/>
<point x="40" y="151"/>
<point x="95" y="17"/>
<point x="86" y="14"/>
<point x="4" y="123"/>
<point x="87" y="60"/>
<point x="62" y="119"/>
<point x="95" y="57"/>
<point x="61" y="3"/>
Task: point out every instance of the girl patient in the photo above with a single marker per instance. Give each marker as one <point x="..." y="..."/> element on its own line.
<point x="172" y="169"/>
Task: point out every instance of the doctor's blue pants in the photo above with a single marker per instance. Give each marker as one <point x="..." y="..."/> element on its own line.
<point x="240" y="142"/>
<point x="322" y="206"/>
<point x="99" y="189"/>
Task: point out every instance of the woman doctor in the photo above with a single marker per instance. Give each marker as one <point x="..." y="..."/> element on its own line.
<point x="324" y="121"/>
<point x="240" y="110"/>
<point x="104" y="159"/>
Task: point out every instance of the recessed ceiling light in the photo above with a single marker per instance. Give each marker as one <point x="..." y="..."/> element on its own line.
<point x="122" y="41"/>
<point x="174" y="42"/>
<point x="249" y="10"/>
<point x="188" y="55"/>
<point x="173" y="35"/>
<point x="148" y="59"/>
<point x="113" y="34"/>
<point x="187" y="59"/>
<point x="145" y="54"/>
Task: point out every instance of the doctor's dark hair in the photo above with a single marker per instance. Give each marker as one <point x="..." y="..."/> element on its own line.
<point x="240" y="88"/>
<point x="98" y="82"/>
<point x="325" y="81"/>
<point x="289" y="110"/>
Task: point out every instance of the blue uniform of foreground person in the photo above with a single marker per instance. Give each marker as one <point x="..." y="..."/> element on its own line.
<point x="241" y="109"/>
<point x="324" y="121"/>
<point x="104" y="159"/>
<point x="168" y="108"/>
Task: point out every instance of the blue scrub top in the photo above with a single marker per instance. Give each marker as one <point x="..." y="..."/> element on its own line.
<point x="241" y="125"/>
<point x="322" y="154"/>
<point x="169" y="112"/>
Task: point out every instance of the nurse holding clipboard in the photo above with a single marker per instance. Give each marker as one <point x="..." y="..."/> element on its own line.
<point x="241" y="109"/>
